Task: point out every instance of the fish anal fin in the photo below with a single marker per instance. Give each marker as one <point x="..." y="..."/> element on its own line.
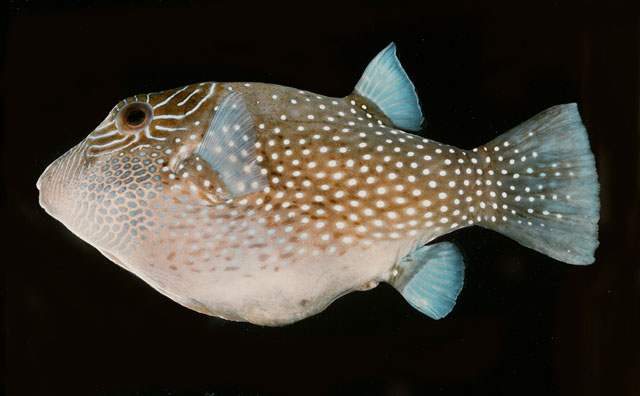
<point x="431" y="277"/>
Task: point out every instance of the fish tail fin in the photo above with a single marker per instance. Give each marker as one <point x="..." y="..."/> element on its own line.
<point x="544" y="186"/>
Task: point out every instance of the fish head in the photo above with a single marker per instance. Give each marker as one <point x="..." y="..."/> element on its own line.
<point x="107" y="182"/>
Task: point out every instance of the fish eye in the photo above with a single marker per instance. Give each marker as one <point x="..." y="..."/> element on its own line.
<point x="133" y="117"/>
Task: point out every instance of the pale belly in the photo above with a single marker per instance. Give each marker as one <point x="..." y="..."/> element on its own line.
<point x="244" y="284"/>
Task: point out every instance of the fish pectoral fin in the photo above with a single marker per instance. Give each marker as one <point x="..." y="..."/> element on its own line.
<point x="228" y="147"/>
<point x="385" y="83"/>
<point x="431" y="277"/>
<point x="201" y="177"/>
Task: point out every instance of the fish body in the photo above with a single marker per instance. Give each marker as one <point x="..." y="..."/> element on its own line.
<point x="262" y="203"/>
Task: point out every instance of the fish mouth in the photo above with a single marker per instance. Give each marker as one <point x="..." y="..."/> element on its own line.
<point x="54" y="182"/>
<point x="42" y="177"/>
<point x="42" y="186"/>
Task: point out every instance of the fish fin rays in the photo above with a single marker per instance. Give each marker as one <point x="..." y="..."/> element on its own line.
<point x="386" y="84"/>
<point x="228" y="147"/>
<point x="552" y="204"/>
<point x="431" y="277"/>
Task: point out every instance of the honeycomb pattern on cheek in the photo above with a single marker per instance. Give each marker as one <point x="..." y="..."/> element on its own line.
<point x="115" y="200"/>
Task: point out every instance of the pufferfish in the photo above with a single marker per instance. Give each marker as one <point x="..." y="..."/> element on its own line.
<point x="263" y="203"/>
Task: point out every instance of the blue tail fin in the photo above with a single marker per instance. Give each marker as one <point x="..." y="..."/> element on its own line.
<point x="545" y="186"/>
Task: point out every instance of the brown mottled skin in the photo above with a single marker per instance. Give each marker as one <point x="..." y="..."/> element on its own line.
<point x="343" y="197"/>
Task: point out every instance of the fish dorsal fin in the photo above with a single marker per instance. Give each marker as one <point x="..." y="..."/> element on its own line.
<point x="229" y="147"/>
<point x="431" y="277"/>
<point x="385" y="83"/>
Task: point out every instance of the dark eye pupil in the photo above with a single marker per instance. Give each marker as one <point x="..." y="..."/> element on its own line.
<point x="136" y="117"/>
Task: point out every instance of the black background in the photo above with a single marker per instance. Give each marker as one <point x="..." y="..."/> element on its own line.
<point x="74" y="323"/>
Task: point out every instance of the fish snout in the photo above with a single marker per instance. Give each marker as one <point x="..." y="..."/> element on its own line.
<point x="46" y="184"/>
<point x="55" y="182"/>
<point x="43" y="177"/>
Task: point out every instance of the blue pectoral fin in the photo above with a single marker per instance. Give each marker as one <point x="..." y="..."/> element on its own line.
<point x="229" y="147"/>
<point x="431" y="277"/>
<point x="385" y="83"/>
